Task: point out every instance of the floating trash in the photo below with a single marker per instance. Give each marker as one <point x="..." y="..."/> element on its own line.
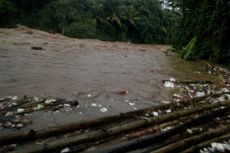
<point x="94" y="105"/>
<point x="103" y="109"/>
<point x="16" y="114"/>
<point x="20" y="110"/>
<point x="65" y="150"/>
<point x="167" y="128"/>
<point x="14" y="98"/>
<point x="36" y="99"/>
<point x="39" y="107"/>
<point x="169" y="84"/>
<point x="176" y="95"/>
<point x="166" y="102"/>
<point x="49" y="101"/>
<point x="155" y="114"/>
<point x="220" y="146"/>
<point x="131" y="104"/>
<point x="190" y="131"/>
<point x="168" y="111"/>
<point x="172" y="79"/>
<point x="200" y="94"/>
<point x="67" y="105"/>
<point x="19" y="125"/>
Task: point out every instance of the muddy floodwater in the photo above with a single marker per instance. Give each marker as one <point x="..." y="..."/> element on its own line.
<point x="117" y="76"/>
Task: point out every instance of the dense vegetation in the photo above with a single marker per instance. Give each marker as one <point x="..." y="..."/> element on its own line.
<point x="114" y="20"/>
<point x="196" y="28"/>
<point x="204" y="30"/>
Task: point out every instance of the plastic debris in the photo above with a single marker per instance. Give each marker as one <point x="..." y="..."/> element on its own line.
<point x="166" y="102"/>
<point x="218" y="146"/>
<point x="189" y="131"/>
<point x="16" y="114"/>
<point x="227" y="146"/>
<point x="36" y="99"/>
<point x="19" y="125"/>
<point x="169" y="84"/>
<point x="20" y="110"/>
<point x="94" y="105"/>
<point x="14" y="103"/>
<point x="168" y="111"/>
<point x="89" y="95"/>
<point x="103" y="109"/>
<point x="39" y="107"/>
<point x="205" y="150"/>
<point x="49" y="101"/>
<point x="172" y="79"/>
<point x="126" y="101"/>
<point x="14" y="98"/>
<point x="176" y="95"/>
<point x="131" y="104"/>
<point x="200" y="94"/>
<point x="166" y="129"/>
<point x="67" y="105"/>
<point x="155" y="114"/>
<point x="65" y="150"/>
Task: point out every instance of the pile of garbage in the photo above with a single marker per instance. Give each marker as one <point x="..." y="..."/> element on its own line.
<point x="14" y="111"/>
<point x="189" y="89"/>
<point x="192" y="89"/>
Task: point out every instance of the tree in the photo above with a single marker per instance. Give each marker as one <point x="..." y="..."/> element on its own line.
<point x="113" y="20"/>
<point x="209" y="22"/>
<point x="6" y="10"/>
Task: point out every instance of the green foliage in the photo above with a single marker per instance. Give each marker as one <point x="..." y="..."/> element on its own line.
<point x="187" y="52"/>
<point x="209" y="21"/>
<point x="6" y="10"/>
<point x="82" y="26"/>
<point x="6" y="7"/>
<point x="114" y="20"/>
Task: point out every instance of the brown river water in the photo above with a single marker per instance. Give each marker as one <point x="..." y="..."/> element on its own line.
<point x="91" y="70"/>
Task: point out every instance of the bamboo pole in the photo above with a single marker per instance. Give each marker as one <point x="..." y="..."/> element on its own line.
<point x="197" y="147"/>
<point x="100" y="134"/>
<point x="186" y="143"/>
<point x="44" y="133"/>
<point x="58" y="130"/>
<point x="145" y="141"/>
<point x="53" y="131"/>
